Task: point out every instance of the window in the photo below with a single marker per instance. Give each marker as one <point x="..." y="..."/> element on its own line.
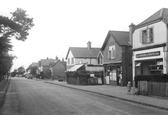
<point x="146" y="36"/>
<point x="68" y="60"/>
<point x="72" y="60"/>
<point x="111" y="52"/>
<point x="100" y="59"/>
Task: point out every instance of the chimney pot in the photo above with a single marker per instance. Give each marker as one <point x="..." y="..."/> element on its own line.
<point x="131" y="30"/>
<point x="89" y="45"/>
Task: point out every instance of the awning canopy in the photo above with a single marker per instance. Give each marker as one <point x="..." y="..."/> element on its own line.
<point x="76" y="67"/>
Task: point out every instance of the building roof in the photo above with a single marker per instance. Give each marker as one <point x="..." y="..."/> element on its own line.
<point x="51" y="64"/>
<point x="121" y="38"/>
<point x="83" y="52"/>
<point x="161" y="14"/>
<point x="34" y="64"/>
<point x="46" y="62"/>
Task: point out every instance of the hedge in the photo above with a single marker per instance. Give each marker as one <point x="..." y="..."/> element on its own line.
<point x="83" y="77"/>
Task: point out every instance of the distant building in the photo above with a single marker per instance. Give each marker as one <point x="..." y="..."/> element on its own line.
<point x="44" y="67"/>
<point x="82" y="55"/>
<point x="58" y="69"/>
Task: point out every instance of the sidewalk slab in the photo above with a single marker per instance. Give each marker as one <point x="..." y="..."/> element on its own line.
<point x="118" y="92"/>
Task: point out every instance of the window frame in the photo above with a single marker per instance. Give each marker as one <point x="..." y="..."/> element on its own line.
<point x="68" y="60"/>
<point x="112" y="52"/>
<point x="149" y="35"/>
<point x="72" y="60"/>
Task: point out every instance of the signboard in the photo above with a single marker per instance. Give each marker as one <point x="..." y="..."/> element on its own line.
<point x="149" y="54"/>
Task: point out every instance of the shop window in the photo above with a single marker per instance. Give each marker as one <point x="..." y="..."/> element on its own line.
<point x="157" y="68"/>
<point x="146" y="36"/>
<point x="111" y="52"/>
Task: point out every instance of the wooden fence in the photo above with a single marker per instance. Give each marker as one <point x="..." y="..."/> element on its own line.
<point x="153" y="88"/>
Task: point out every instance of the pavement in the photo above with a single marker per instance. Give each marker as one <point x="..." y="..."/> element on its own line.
<point x="118" y="92"/>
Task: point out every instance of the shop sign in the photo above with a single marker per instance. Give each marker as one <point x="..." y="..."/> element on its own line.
<point x="149" y="54"/>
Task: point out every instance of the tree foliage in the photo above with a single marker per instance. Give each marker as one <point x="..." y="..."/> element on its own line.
<point x="21" y="70"/>
<point x="18" y="26"/>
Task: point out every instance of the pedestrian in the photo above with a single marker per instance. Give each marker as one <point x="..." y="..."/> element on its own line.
<point x="129" y="87"/>
<point x="120" y="79"/>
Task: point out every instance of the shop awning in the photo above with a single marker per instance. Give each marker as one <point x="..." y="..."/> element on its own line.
<point x="76" y="67"/>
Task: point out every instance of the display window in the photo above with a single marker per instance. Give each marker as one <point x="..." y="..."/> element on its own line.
<point x="148" y="67"/>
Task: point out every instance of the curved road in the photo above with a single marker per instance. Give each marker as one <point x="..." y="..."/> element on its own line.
<point x="33" y="97"/>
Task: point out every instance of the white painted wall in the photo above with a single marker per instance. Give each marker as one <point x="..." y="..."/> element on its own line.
<point x="86" y="60"/>
<point x="160" y="34"/>
<point x="70" y="56"/>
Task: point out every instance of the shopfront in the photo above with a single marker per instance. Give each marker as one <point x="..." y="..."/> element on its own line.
<point x="112" y="73"/>
<point x="149" y="61"/>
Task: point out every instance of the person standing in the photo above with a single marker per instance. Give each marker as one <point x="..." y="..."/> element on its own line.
<point x="120" y="79"/>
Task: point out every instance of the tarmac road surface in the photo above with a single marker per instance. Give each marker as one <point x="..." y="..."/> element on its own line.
<point x="33" y="97"/>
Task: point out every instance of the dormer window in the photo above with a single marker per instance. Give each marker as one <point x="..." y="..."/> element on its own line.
<point x="111" y="52"/>
<point x="146" y="36"/>
<point x="72" y="60"/>
<point x="68" y="60"/>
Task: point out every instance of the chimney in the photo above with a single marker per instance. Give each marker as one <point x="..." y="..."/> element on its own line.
<point x="56" y="58"/>
<point x="89" y="45"/>
<point x="62" y="59"/>
<point x="131" y="30"/>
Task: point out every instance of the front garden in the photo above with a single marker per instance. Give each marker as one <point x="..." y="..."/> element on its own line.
<point x="85" y="77"/>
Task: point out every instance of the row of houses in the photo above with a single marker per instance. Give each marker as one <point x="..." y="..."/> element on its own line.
<point x="49" y="69"/>
<point x="143" y="50"/>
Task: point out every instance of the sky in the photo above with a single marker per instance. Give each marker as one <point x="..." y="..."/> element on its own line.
<point x="60" y="24"/>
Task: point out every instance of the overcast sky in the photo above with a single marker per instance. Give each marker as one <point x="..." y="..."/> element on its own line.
<point x="60" y="24"/>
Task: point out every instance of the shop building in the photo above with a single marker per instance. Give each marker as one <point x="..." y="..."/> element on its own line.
<point x="150" y="45"/>
<point x="116" y="57"/>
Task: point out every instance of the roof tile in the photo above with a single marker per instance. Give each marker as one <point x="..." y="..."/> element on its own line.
<point x="84" y="52"/>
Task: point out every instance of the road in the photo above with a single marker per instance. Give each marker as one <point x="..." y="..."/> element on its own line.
<point x="34" y="97"/>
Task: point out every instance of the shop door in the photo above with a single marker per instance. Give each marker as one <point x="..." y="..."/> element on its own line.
<point x="107" y="80"/>
<point x="113" y="77"/>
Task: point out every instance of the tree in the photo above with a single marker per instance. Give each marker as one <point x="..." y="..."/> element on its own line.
<point x="17" y="26"/>
<point x="13" y="74"/>
<point x="21" y="70"/>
